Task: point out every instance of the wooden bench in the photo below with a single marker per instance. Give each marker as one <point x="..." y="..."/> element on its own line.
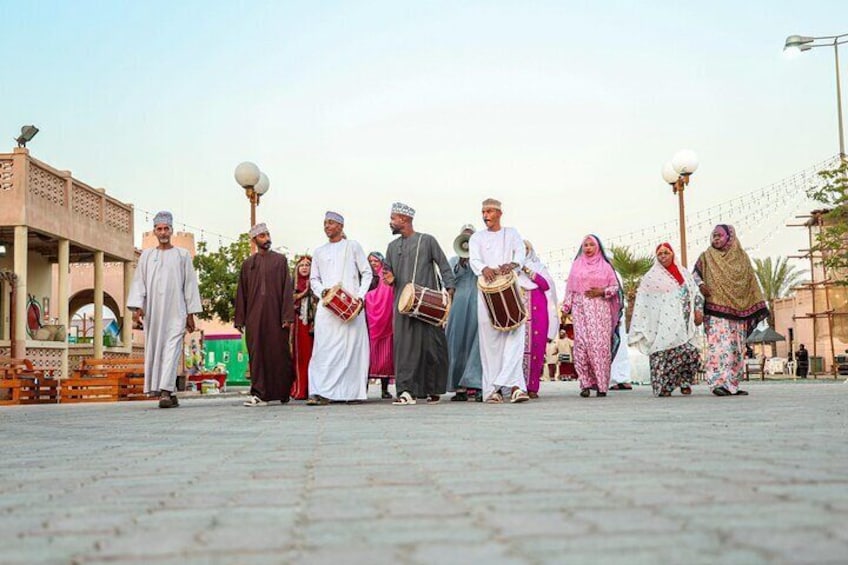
<point x="21" y="383"/>
<point x="106" y="380"/>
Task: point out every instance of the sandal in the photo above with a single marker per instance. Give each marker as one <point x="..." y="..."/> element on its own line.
<point x="404" y="399"/>
<point x="585" y="393"/>
<point x="621" y="386"/>
<point x="433" y="399"/>
<point x="685" y="390"/>
<point x="741" y="393"/>
<point x="533" y="395"/>
<point x="495" y="398"/>
<point x="721" y="391"/>
<point x="460" y="397"/>
<point x="317" y="400"/>
<point x="518" y="395"/>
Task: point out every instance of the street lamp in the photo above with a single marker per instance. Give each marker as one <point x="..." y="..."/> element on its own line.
<point x="676" y="173"/>
<point x="795" y="44"/>
<point x="255" y="183"/>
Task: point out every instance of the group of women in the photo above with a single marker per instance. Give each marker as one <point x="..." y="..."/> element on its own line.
<point x="722" y="294"/>
<point x="671" y="302"/>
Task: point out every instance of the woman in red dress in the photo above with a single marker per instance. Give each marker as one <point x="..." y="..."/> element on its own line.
<point x="304" y="327"/>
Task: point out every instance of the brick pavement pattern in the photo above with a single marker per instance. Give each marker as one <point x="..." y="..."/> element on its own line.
<point x="626" y="479"/>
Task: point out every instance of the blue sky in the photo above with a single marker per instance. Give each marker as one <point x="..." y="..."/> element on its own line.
<point x="564" y="110"/>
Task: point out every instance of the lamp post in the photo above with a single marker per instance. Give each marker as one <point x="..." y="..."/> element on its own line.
<point x="676" y="173"/>
<point x="795" y="44"/>
<point x="255" y="183"/>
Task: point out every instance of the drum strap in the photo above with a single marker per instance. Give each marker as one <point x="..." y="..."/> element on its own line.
<point x="439" y="282"/>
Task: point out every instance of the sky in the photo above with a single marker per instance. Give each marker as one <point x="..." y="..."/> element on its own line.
<point x="564" y="110"/>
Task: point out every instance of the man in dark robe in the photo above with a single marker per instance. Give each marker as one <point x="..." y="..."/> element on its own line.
<point x="802" y="358"/>
<point x="420" y="349"/>
<point x="265" y="311"/>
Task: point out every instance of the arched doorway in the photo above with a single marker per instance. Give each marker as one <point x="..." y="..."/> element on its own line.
<point x="84" y="298"/>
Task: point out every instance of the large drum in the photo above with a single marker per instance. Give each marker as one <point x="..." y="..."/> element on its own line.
<point x="425" y="304"/>
<point x="503" y="302"/>
<point x="341" y="303"/>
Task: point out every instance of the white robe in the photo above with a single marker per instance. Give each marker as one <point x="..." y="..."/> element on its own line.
<point x="501" y="353"/>
<point x="338" y="369"/>
<point x="165" y="287"/>
<point x="620" y="369"/>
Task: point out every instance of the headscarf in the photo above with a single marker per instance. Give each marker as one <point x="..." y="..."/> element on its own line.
<point x="597" y="272"/>
<point x="591" y="272"/>
<point x="672" y="269"/>
<point x="533" y="263"/>
<point x="734" y="291"/>
<point x="664" y="311"/>
<point x="301" y="282"/>
<point x="378" y="272"/>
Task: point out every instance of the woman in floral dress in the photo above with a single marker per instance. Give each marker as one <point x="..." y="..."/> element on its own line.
<point x="667" y="309"/>
<point x="733" y="306"/>
<point x="593" y="297"/>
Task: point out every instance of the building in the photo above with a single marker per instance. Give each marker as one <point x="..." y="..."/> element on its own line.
<point x="48" y="218"/>
<point x="817" y="313"/>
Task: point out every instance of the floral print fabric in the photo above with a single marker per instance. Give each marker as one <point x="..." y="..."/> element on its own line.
<point x="675" y="367"/>
<point x="725" y="358"/>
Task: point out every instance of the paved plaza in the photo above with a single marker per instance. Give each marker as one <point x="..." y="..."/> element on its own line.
<point x="626" y="479"/>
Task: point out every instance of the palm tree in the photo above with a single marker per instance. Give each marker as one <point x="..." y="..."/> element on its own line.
<point x="631" y="268"/>
<point x="776" y="279"/>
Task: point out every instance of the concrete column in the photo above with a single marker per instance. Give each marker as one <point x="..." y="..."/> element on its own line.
<point x="20" y="305"/>
<point x="98" y="304"/>
<point x="126" y="329"/>
<point x="64" y="288"/>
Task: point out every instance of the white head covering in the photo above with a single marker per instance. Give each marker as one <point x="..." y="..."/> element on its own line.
<point x="534" y="264"/>
<point x="163" y="217"/>
<point x="403" y="209"/>
<point x="257" y="229"/>
<point x="334" y="216"/>
<point x="492" y="203"/>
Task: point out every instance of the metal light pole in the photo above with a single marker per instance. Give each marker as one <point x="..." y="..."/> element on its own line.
<point x="255" y="183"/>
<point x="676" y="173"/>
<point x="795" y="44"/>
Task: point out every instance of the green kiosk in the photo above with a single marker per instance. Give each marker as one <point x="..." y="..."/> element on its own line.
<point x="228" y="351"/>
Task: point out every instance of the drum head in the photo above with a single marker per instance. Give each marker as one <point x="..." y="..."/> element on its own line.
<point x="500" y="283"/>
<point x="407" y="298"/>
<point x="330" y="294"/>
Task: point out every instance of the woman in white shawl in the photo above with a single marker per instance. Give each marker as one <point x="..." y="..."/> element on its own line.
<point x="667" y="310"/>
<point x="542" y="319"/>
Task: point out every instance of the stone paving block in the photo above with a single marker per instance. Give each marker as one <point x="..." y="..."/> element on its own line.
<point x="577" y="481"/>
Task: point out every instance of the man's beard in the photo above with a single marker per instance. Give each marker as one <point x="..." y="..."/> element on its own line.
<point x="395" y="230"/>
<point x="266" y="246"/>
<point x="164" y="240"/>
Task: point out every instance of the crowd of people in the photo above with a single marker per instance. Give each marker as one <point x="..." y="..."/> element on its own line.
<point x="485" y="324"/>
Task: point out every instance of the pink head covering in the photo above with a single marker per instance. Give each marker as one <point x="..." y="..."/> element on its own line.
<point x="591" y="272"/>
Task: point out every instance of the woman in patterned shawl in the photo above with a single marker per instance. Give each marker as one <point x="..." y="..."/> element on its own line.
<point x="667" y="309"/>
<point x="734" y="305"/>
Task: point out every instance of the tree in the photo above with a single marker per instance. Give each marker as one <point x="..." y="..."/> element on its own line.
<point x="218" y="274"/>
<point x="832" y="240"/>
<point x="776" y="279"/>
<point x="631" y="268"/>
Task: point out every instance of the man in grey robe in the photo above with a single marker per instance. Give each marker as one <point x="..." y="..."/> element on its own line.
<point x="465" y="372"/>
<point x="164" y="297"/>
<point x="420" y="349"/>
